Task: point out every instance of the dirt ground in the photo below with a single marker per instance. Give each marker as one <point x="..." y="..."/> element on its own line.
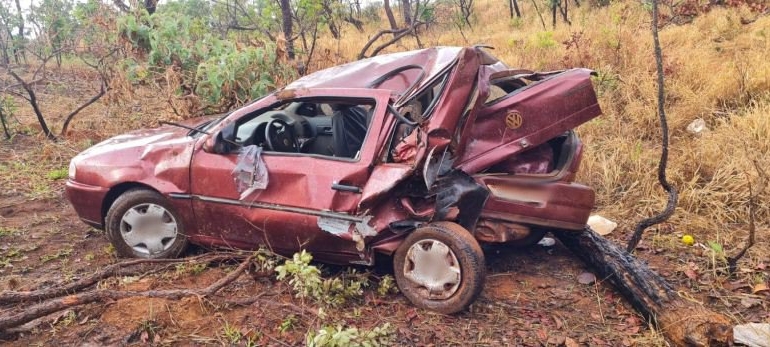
<point x="532" y="295"/>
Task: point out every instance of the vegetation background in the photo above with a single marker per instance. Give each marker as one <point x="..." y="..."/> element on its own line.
<point x="74" y="73"/>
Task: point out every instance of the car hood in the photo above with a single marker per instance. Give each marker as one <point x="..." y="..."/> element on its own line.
<point x="151" y="156"/>
<point x="144" y="138"/>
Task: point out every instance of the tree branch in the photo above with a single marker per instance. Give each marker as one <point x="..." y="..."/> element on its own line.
<point x="398" y="34"/>
<point x="671" y="190"/>
<point x="72" y="114"/>
<point x="732" y="262"/>
<point x="117" y="269"/>
<point x="47" y="307"/>
<point x="33" y="101"/>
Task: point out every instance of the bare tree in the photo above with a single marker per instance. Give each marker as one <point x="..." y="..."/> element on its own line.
<point x="389" y="14"/>
<point x="406" y="9"/>
<point x="287" y="26"/>
<point x="513" y="6"/>
<point x="466" y="9"/>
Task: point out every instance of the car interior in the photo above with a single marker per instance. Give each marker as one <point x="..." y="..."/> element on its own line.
<point x="327" y="127"/>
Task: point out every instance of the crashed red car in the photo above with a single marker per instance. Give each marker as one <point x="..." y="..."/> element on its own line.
<point x="420" y="155"/>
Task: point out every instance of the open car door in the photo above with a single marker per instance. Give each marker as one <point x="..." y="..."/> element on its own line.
<point x="526" y="116"/>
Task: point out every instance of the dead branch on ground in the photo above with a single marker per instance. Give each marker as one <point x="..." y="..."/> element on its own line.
<point x="114" y="270"/>
<point x="9" y="319"/>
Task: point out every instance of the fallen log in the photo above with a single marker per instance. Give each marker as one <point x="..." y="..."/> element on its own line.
<point x="682" y="322"/>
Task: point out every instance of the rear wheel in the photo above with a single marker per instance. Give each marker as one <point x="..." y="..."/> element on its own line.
<point x="440" y="267"/>
<point x="142" y="224"/>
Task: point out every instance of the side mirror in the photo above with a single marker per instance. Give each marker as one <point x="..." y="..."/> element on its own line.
<point x="223" y="142"/>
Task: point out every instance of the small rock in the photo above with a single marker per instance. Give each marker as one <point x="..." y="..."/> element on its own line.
<point x="601" y="225"/>
<point x="547" y="242"/>
<point x="586" y="278"/>
<point x="752" y="334"/>
<point x="697" y="127"/>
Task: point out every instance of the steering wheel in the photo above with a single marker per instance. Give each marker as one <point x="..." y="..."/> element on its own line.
<point x="279" y="137"/>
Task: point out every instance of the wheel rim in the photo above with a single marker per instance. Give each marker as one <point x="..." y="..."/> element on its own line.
<point x="148" y="228"/>
<point x="432" y="269"/>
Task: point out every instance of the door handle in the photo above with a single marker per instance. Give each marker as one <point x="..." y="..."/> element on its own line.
<point x="346" y="188"/>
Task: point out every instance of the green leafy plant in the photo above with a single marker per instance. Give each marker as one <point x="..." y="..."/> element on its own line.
<point x="60" y="254"/>
<point x="288" y="323"/>
<point x="57" y="174"/>
<point x="231" y="334"/>
<point x="329" y="336"/>
<point x="306" y="281"/>
<point x="387" y="286"/>
<point x="196" y="63"/>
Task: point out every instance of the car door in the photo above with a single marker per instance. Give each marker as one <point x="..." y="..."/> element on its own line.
<point x="525" y="117"/>
<point x="310" y="200"/>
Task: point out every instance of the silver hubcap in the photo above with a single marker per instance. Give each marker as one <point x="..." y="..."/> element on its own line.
<point x="148" y="228"/>
<point x="433" y="269"/>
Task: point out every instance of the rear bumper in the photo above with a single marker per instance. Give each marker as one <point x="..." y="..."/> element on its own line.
<point x="87" y="201"/>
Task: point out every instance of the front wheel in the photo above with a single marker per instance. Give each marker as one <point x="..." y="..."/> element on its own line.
<point x="142" y="224"/>
<point x="440" y="267"/>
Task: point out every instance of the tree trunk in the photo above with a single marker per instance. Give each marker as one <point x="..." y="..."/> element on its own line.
<point x="649" y="293"/>
<point x="406" y="8"/>
<point x="5" y="127"/>
<point x="389" y="14"/>
<point x="33" y="102"/>
<point x="554" y="3"/>
<point x="514" y="7"/>
<point x="287" y="27"/>
<point x="18" y="49"/>
<point x="330" y="20"/>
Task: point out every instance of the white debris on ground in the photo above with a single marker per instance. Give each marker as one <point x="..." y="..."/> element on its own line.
<point x="697" y="127"/>
<point x="547" y="242"/>
<point x="586" y="278"/>
<point x="601" y="225"/>
<point x="752" y="334"/>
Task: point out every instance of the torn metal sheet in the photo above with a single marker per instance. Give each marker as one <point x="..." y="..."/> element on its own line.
<point x="250" y="172"/>
<point x="354" y="231"/>
<point x="459" y="191"/>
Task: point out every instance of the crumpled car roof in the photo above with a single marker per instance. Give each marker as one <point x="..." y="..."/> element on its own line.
<point x="362" y="73"/>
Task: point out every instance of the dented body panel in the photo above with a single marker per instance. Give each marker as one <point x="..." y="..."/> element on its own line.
<point x="438" y="147"/>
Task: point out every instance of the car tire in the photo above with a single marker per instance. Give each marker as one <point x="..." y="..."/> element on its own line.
<point x="141" y="223"/>
<point x="426" y="263"/>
